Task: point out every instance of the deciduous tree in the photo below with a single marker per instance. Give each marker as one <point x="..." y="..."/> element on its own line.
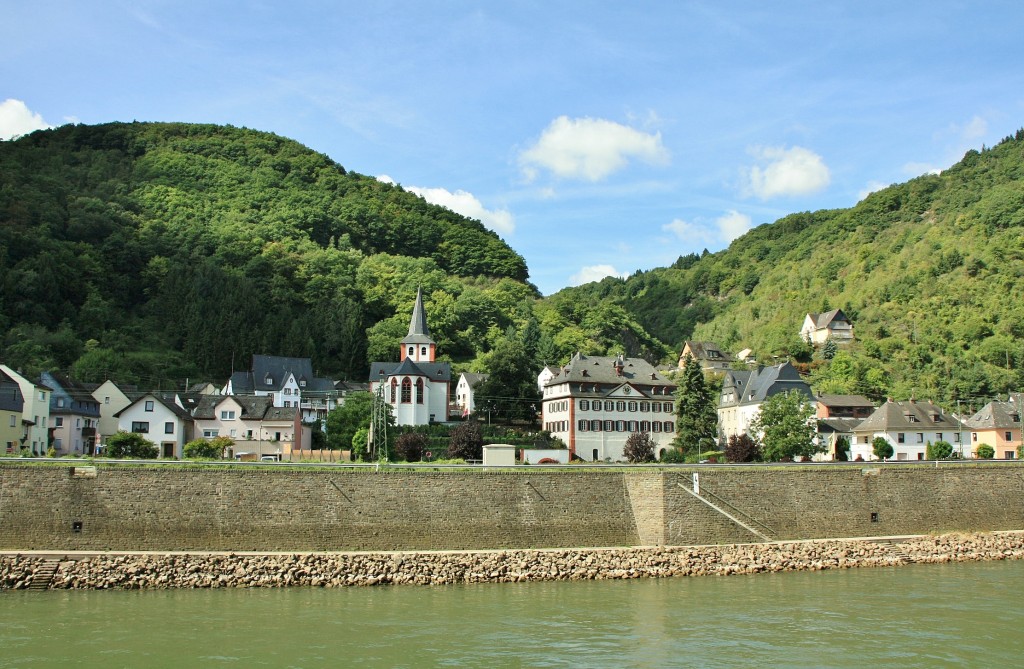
<point x="639" y="448"/>
<point x="785" y="428"/>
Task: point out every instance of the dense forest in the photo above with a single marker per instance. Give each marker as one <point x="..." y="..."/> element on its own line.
<point x="929" y="271"/>
<point x="151" y="253"/>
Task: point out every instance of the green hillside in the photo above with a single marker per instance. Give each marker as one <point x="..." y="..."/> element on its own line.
<point x="929" y="271"/>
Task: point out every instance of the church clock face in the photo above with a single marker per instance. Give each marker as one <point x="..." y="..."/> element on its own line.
<point x="627" y="390"/>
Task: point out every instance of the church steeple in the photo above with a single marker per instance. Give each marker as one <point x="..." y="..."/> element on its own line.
<point x="418" y="345"/>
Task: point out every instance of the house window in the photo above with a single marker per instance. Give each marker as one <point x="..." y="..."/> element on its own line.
<point x="13" y="420"/>
<point x="149" y="405"/>
<point x="233" y="433"/>
<point x="645" y="407"/>
<point x="60" y="401"/>
<point x="620" y="406"/>
<point x="78" y="423"/>
<point x="974" y="436"/>
<point x="901" y="438"/>
<point x="609" y="405"/>
<point x="210" y="434"/>
<point x="920" y="437"/>
<point x="656" y="426"/>
<point x="140" y="427"/>
<point x="670" y="426"/>
<point x="584" y="405"/>
<point x="582" y="424"/>
<point x="938" y="436"/>
<point x="268" y="380"/>
<point x="106" y="400"/>
<point x="169" y="427"/>
<point x="412" y="350"/>
<point x="645" y="426"/>
<point x="620" y="426"/>
<point x="609" y="426"/>
<point x="956" y="437"/>
<point x="58" y="421"/>
<point x="632" y="407"/>
<point x="419" y="391"/>
<point x="42" y="396"/>
<point x="227" y="415"/>
<point x="1007" y="436"/>
<point x="423" y="350"/>
<point x="302" y="383"/>
<point x="287" y="391"/>
<point x="406" y="390"/>
<point x="668" y="407"/>
<point x="595" y="426"/>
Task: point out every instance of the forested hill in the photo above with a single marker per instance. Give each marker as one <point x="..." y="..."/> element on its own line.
<point x="151" y="252"/>
<point x="931" y="272"/>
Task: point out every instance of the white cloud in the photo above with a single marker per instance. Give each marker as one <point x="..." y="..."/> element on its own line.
<point x="917" y="169"/>
<point x="785" y="172"/>
<point x="871" y="187"/>
<point x="589" y="149"/>
<point x="594" y="273"/>
<point x="727" y="227"/>
<point x="462" y="202"/>
<point x="16" y="119"/>
<point x="383" y="178"/>
<point x="732" y="224"/>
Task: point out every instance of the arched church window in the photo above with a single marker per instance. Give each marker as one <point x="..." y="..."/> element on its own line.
<point x="419" y="391"/>
<point x="394" y="390"/>
<point x="406" y="390"/>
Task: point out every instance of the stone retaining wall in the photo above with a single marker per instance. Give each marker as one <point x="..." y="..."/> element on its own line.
<point x="365" y="569"/>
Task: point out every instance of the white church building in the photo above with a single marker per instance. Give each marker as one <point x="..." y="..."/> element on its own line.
<point x="416" y="387"/>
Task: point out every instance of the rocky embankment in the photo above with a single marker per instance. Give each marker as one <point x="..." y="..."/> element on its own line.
<point x="136" y="571"/>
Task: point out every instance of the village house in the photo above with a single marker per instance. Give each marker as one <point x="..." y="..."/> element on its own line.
<point x="257" y="427"/>
<point x="35" y="413"/>
<point x="464" y="394"/>
<point x="743" y="392"/>
<point x="908" y="427"/>
<point x="594" y="403"/>
<point x="74" y="415"/>
<point x="843" y="406"/>
<point x="998" y="424"/>
<point x="289" y="382"/>
<point x="161" y="419"/>
<point x="834" y="325"/>
<point x="708" y="354"/>
<point x="417" y="387"/>
<point x="112" y="398"/>
<point x="12" y="403"/>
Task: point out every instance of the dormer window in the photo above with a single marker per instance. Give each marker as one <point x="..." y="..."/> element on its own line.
<point x="302" y="383"/>
<point x="269" y="380"/>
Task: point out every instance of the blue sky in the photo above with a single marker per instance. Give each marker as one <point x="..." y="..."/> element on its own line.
<point x="595" y="137"/>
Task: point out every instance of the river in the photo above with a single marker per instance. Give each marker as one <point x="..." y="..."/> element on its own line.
<point x="949" y="615"/>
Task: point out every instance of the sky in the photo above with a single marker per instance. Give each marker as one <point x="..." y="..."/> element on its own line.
<point x="596" y="138"/>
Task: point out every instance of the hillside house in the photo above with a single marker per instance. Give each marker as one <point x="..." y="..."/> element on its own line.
<point x="743" y="392"/>
<point x="594" y="403"/>
<point x="908" y="427"/>
<point x="257" y="427"/>
<point x="708" y="354"/>
<point x="834" y="325"/>
<point x="998" y="424"/>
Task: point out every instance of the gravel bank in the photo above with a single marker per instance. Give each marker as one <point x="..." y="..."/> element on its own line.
<point x="134" y="571"/>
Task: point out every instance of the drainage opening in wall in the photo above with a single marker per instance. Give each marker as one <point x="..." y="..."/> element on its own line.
<point x="874" y="516"/>
<point x="76" y="526"/>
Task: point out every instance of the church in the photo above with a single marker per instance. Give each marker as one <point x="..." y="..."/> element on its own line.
<point x="416" y="387"/>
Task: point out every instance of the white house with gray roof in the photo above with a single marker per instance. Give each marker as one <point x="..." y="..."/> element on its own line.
<point x="417" y="387"/>
<point x="594" y="403"/>
<point x="908" y="427"/>
<point x="290" y="382"/>
<point x="743" y="392"/>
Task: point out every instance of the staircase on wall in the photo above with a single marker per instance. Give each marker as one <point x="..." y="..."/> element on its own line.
<point x="748" y="522"/>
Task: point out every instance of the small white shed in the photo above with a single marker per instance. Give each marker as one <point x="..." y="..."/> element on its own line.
<point x="499" y="455"/>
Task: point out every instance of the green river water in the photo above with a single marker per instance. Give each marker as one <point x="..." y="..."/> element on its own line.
<point x="956" y="615"/>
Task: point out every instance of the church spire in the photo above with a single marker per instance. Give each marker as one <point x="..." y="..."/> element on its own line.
<point x="418" y="345"/>
<point x="418" y="322"/>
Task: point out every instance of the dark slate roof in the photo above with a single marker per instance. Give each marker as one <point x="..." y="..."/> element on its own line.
<point x="253" y="406"/>
<point x="419" y="332"/>
<point x="472" y="379"/>
<point x="755" y="386"/>
<point x="604" y="370"/>
<point x="708" y="350"/>
<point x="823" y="320"/>
<point x="81" y="400"/>
<point x="277" y="368"/>
<point x="844" y="400"/>
<point x="11" y="398"/>
<point x="164" y="399"/>
<point x="280" y="413"/>
<point x="995" y="416"/>
<point x="840" y="425"/>
<point x="437" y="371"/>
<point x="352" y="387"/>
<point x="911" y="416"/>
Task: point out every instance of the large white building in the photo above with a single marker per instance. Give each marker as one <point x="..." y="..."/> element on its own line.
<point x="744" y="391"/>
<point x="35" y="412"/>
<point x="417" y="387"/>
<point x="594" y="403"/>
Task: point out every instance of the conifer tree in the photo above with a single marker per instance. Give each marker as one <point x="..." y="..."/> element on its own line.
<point x="696" y="410"/>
